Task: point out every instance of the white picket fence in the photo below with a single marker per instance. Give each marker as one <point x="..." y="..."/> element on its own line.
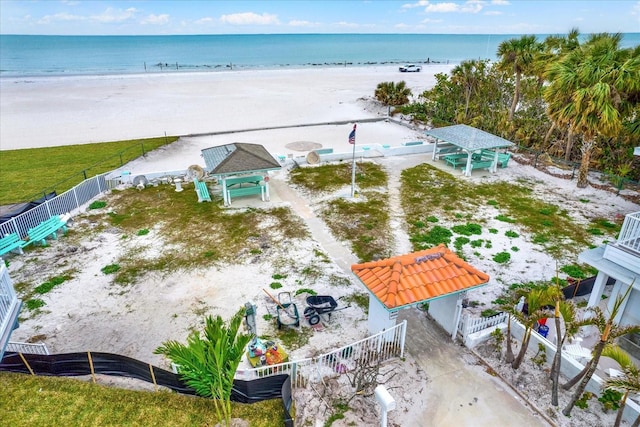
<point x="27" y="348"/>
<point x="469" y="325"/>
<point x="383" y="346"/>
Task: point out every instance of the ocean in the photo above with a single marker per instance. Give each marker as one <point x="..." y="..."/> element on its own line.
<point x="25" y="55"/>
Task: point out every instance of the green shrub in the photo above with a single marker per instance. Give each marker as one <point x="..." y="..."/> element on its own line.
<point x="610" y="399"/>
<point x="143" y="232"/>
<point x="432" y="219"/>
<point x="502" y="257"/>
<point x="595" y="231"/>
<point x="50" y="284"/>
<point x="505" y="218"/>
<point x="493" y="230"/>
<point x="33" y="304"/>
<point x="97" y="204"/>
<point x="467" y="229"/>
<point x="275" y="285"/>
<point x="433" y="237"/>
<point x="110" y="269"/>
<point x="277" y="276"/>
<point x="476" y="243"/>
<point x="511" y="234"/>
<point x="574" y="271"/>
<point x="460" y="241"/>
<point x="492" y="202"/>
<point x="305" y="290"/>
<point x="489" y="312"/>
<point x="514" y="249"/>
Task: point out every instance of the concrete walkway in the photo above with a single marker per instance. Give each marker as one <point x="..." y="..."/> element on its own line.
<point x="459" y="391"/>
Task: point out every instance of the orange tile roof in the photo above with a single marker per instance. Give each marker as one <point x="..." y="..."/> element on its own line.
<point x="418" y="276"/>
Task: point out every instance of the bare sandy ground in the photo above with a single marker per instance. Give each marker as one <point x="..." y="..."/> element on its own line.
<point x="90" y="313"/>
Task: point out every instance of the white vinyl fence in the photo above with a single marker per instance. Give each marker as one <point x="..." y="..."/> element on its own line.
<point x="61" y="204"/>
<point x="469" y="325"/>
<point x="378" y="348"/>
<point x="27" y="348"/>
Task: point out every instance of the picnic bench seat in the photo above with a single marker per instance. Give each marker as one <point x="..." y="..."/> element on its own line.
<point x="412" y="143"/>
<point x="479" y="164"/>
<point x="47" y="228"/>
<point x="455" y="160"/>
<point x="503" y="158"/>
<point x="245" y="191"/>
<point x="324" y="151"/>
<point x="239" y="180"/>
<point x="11" y="242"/>
<point x="201" y="190"/>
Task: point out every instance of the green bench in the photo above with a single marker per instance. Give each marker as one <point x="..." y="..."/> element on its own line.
<point x="503" y="158"/>
<point x="456" y="160"/>
<point x="47" y="228"/>
<point x="324" y="151"/>
<point x="201" y="190"/>
<point x="249" y="179"/>
<point x="453" y="149"/>
<point x="479" y="164"/>
<point x="412" y="143"/>
<point x="11" y="242"/>
<point x="245" y="191"/>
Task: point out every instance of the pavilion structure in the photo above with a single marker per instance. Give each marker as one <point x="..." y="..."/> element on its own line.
<point x="468" y="140"/>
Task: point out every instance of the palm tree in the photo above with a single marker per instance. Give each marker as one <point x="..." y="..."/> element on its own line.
<point x="628" y="382"/>
<point x="468" y="74"/>
<point x="393" y="94"/>
<point x="566" y="310"/>
<point x="609" y="331"/>
<point x="209" y="364"/>
<point x="537" y="299"/>
<point x="590" y="91"/>
<point x="517" y="56"/>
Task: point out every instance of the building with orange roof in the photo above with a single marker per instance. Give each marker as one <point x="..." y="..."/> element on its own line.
<point x="437" y="276"/>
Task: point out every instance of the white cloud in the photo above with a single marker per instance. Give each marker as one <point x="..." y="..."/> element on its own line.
<point x="493" y="13"/>
<point x="470" y="6"/>
<point x="250" y="18"/>
<point x="346" y="24"/>
<point x="636" y="9"/>
<point x="71" y="2"/>
<point x="201" y="21"/>
<point x="60" y="17"/>
<point x="431" y="21"/>
<point x="156" y="19"/>
<point x="500" y="2"/>
<point x="115" y="15"/>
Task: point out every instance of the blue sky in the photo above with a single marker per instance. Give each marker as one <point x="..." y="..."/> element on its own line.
<point x="151" y="17"/>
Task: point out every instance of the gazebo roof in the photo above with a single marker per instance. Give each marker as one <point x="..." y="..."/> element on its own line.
<point x="468" y="138"/>
<point x="238" y="158"/>
<point x="418" y="277"/>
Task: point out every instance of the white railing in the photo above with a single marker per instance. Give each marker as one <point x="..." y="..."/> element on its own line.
<point x="61" y="204"/>
<point x="378" y="348"/>
<point x="469" y="325"/>
<point x="27" y="348"/>
<point x="629" y="236"/>
<point x="9" y="307"/>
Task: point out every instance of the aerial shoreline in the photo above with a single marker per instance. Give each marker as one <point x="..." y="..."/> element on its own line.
<point x="66" y="110"/>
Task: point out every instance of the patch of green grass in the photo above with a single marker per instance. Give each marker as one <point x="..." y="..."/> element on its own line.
<point x="515" y="249"/>
<point x="275" y="285"/>
<point x="330" y="177"/>
<point x="489" y="312"/>
<point x="142" y="232"/>
<point x="577" y="271"/>
<point x="595" y="231"/>
<point x="40" y="401"/>
<point x="293" y="338"/>
<point x="59" y="168"/>
<point x="358" y="298"/>
<point x="50" y="284"/>
<point x="110" y="269"/>
<point x="97" y="204"/>
<point x="511" y="234"/>
<point x="502" y="257"/>
<point x="476" y="243"/>
<point x="364" y="223"/>
<point x="492" y="202"/>
<point x="278" y="276"/>
<point x="493" y="230"/>
<point x="34" y="303"/>
<point x="305" y="291"/>
<point x="488" y="244"/>
<point x="460" y="242"/>
<point x="467" y="229"/>
<point x="433" y="237"/>
<point x="585" y="200"/>
<point x="505" y="218"/>
<point x="432" y="219"/>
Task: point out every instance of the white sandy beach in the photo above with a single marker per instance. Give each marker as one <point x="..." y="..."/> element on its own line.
<point x="51" y="111"/>
<point x="85" y="313"/>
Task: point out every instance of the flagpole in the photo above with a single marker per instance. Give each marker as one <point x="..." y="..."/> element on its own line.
<point x="353" y="167"/>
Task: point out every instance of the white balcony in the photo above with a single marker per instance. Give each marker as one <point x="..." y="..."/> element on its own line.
<point x="9" y="307"/>
<point x="626" y="250"/>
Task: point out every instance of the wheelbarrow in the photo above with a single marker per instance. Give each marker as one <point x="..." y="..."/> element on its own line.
<point x="286" y="311"/>
<point x="318" y="305"/>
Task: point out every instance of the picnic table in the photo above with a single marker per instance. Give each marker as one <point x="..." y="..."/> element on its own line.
<point x="458" y="159"/>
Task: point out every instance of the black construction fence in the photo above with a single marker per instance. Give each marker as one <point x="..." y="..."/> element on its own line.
<point x="90" y="363"/>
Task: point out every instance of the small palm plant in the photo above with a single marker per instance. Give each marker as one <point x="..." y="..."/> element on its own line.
<point x="537" y="298"/>
<point x="628" y="382"/>
<point x="208" y="364"/>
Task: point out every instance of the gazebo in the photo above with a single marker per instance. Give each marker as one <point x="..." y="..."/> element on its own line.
<point x="437" y="276"/>
<point x="469" y="140"/>
<point x="242" y="169"/>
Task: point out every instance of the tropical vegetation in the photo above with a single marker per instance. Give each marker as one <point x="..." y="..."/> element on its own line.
<point x="567" y="96"/>
<point x="208" y="364"/>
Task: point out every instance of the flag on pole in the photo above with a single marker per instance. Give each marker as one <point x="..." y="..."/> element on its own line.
<point x="352" y="135"/>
